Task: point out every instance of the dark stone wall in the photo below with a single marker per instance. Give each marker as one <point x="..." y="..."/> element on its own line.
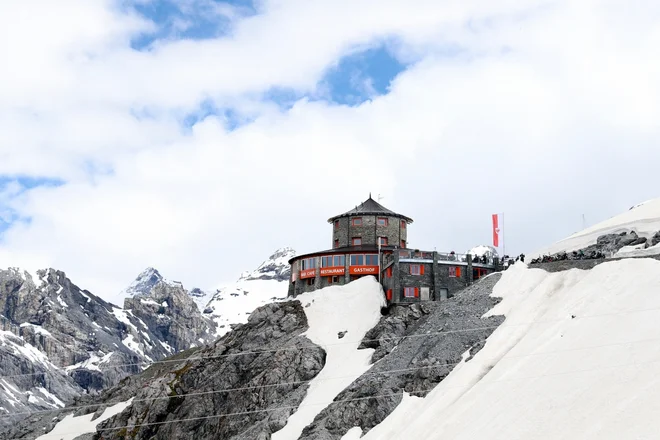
<point x="409" y="280"/>
<point x="369" y="231"/>
<point x="453" y="284"/>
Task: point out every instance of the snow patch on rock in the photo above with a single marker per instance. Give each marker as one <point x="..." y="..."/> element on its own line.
<point x="353" y="308"/>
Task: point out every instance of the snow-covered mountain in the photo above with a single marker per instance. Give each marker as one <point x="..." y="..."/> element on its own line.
<point x="233" y="304"/>
<point x="59" y="341"/>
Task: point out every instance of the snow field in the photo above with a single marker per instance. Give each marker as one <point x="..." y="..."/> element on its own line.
<point x="644" y="219"/>
<point x="71" y="427"/>
<point x="354" y="308"/>
<point x="577" y="357"/>
<point x="236" y="308"/>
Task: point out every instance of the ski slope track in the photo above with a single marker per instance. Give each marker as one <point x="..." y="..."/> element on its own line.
<point x="578" y="356"/>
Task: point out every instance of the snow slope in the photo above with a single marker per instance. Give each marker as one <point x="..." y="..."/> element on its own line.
<point x="643" y="218"/>
<point x="578" y="357"/>
<point x="71" y="427"/>
<point x="328" y="313"/>
<point x="234" y="303"/>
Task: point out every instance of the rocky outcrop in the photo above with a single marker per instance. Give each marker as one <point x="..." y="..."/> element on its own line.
<point x="172" y="315"/>
<point x="430" y="340"/>
<point x="655" y="239"/>
<point x="244" y="386"/>
<point x="59" y="340"/>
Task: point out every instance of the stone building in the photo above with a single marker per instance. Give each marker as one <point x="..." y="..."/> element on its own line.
<point x="373" y="240"/>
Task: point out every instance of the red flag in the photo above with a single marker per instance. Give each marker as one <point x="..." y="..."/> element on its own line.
<point x="496" y="230"/>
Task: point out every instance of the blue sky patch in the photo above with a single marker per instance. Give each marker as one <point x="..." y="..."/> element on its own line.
<point x="362" y="76"/>
<point x="193" y="20"/>
<point x="230" y="117"/>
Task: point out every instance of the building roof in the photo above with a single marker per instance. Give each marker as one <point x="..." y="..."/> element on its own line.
<point x="365" y="248"/>
<point x="370" y="207"/>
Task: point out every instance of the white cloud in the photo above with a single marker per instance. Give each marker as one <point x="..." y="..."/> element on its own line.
<point x="544" y="111"/>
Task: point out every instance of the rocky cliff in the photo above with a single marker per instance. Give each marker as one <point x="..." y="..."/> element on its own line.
<point x="244" y="386"/>
<point x="59" y="341"/>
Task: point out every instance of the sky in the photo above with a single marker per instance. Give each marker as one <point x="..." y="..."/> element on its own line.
<point x="198" y="136"/>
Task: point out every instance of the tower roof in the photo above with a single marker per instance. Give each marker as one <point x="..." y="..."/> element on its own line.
<point x="370" y="207"/>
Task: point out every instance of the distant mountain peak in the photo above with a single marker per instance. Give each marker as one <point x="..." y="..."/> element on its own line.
<point x="144" y="282"/>
<point x="276" y="267"/>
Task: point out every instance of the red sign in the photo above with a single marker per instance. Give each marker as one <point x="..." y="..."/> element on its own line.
<point x="309" y="273"/>
<point x="327" y="271"/>
<point x="363" y="270"/>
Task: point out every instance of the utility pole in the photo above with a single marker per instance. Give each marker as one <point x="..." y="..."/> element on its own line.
<point x="379" y="260"/>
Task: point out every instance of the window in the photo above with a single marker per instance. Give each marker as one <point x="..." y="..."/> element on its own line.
<point x="357" y="221"/>
<point x="333" y="261"/>
<point x="403" y="244"/>
<point x="336" y="224"/>
<point x="334" y="280"/>
<point x="454" y="272"/>
<point x="357" y="241"/>
<point x="339" y="261"/>
<point x="403" y="224"/>
<point x="410" y="292"/>
<point x="382" y="241"/>
<point x="336" y="243"/>
<point x="310" y="281"/>
<point x="382" y="221"/>
<point x="371" y="260"/>
<point x="416" y="269"/>
<point x="308" y="263"/>
<point x="357" y="260"/>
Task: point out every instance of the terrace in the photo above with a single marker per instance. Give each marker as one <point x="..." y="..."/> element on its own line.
<point x="417" y="256"/>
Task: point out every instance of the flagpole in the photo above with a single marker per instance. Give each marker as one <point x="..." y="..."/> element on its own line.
<point x="503" y="244"/>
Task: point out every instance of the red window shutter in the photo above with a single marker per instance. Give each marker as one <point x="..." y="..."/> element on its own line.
<point x="389" y="272"/>
<point x="389" y="295"/>
<point x="458" y="272"/>
<point x="416" y="292"/>
<point x="421" y="269"/>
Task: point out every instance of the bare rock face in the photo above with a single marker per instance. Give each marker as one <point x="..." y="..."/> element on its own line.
<point x="243" y="387"/>
<point x="58" y="341"/>
<point x="172" y="315"/>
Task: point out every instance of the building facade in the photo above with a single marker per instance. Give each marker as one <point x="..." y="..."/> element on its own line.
<point x="372" y="240"/>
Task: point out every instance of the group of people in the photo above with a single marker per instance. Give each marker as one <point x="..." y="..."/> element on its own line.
<point x="508" y="261"/>
<point x="483" y="259"/>
<point x="575" y="255"/>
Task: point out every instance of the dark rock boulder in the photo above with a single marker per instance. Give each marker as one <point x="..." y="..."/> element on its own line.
<point x="655" y="239"/>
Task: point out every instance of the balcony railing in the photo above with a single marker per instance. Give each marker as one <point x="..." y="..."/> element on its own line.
<point x="442" y="257"/>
